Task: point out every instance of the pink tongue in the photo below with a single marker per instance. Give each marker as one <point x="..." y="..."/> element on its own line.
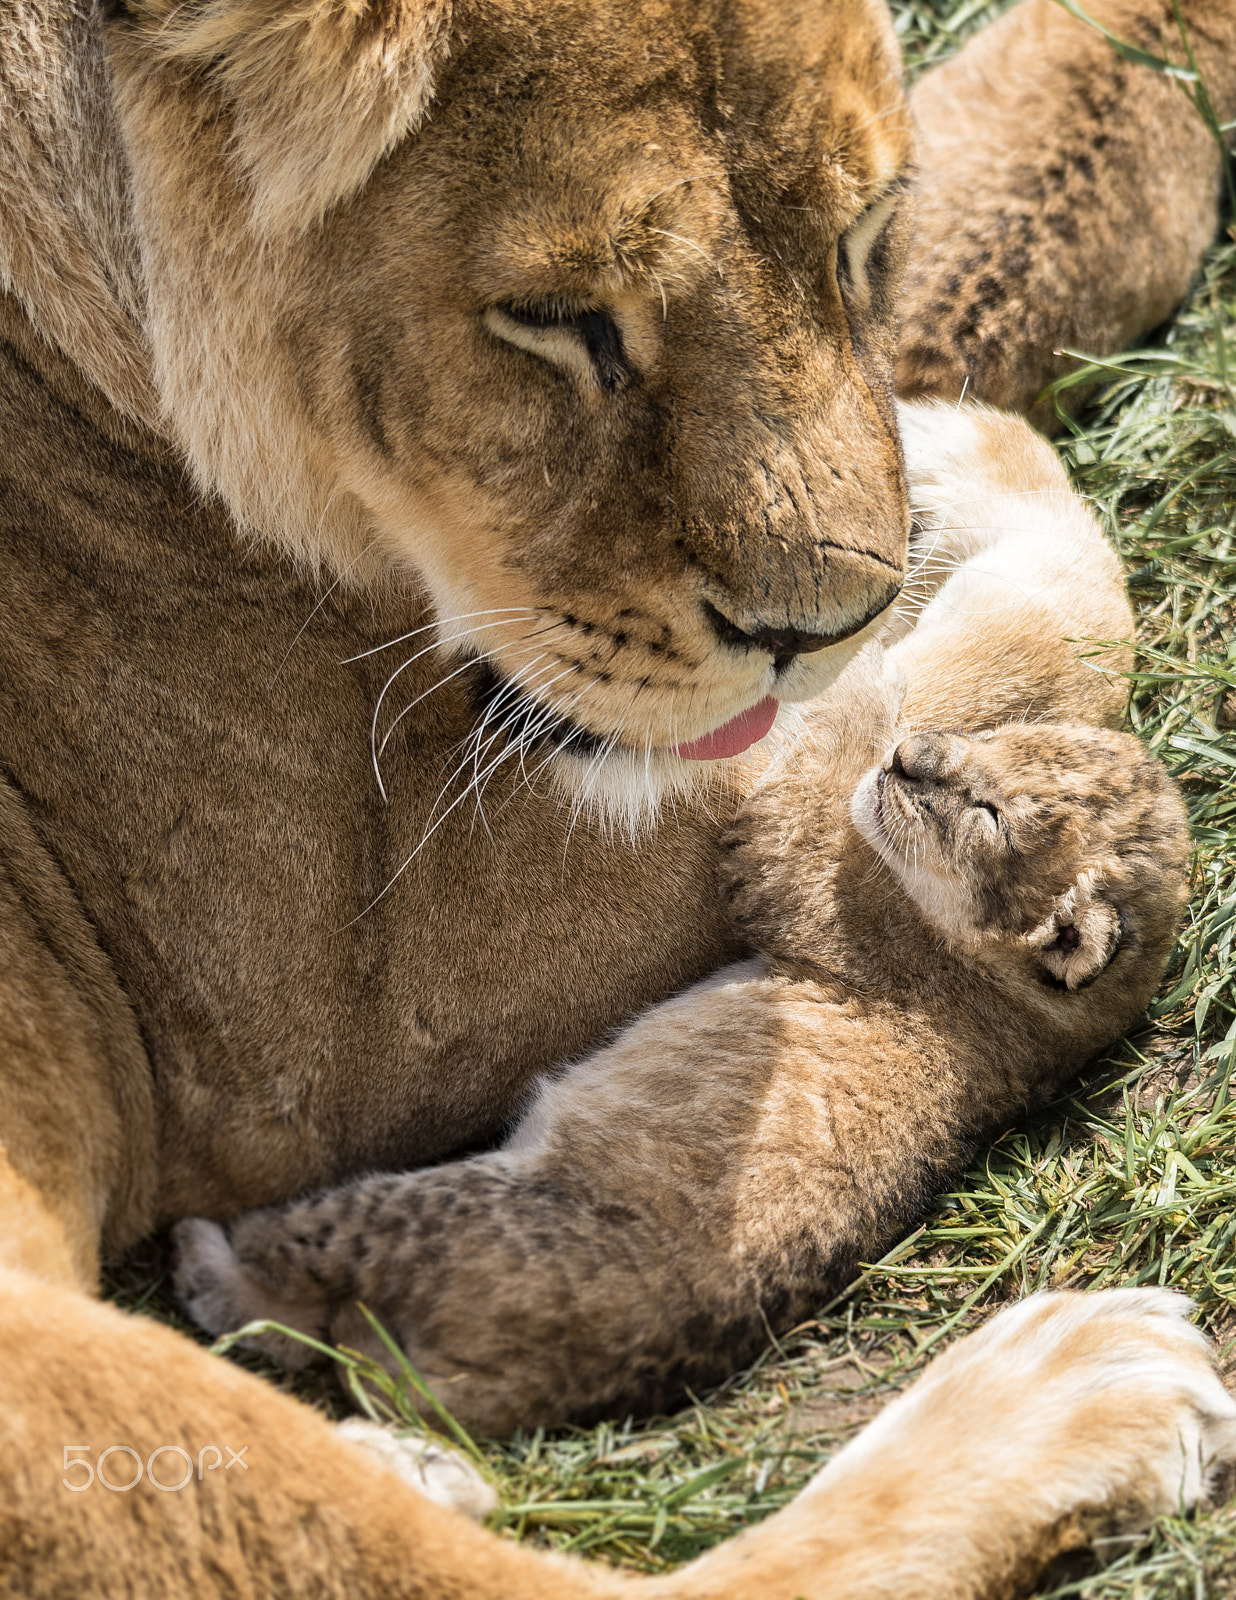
<point x="732" y="737"/>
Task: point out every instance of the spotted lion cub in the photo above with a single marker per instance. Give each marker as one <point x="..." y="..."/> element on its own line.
<point x="949" y="926"/>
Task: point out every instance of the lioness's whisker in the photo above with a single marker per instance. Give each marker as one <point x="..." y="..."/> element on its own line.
<point x="430" y="831"/>
<point x="511" y="694"/>
<point x="325" y="596"/>
<point x="466" y="746"/>
<point x="532" y="731"/>
<point x="432" y="689"/>
<point x="680" y="183"/>
<point x="581" y="795"/>
<point x="691" y="245"/>
<point x="519" y="683"/>
<point x="445" y="622"/>
<point x="527" y="779"/>
<point x="426" y="650"/>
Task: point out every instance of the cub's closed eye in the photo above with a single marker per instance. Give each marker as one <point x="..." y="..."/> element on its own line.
<point x="583" y="338"/>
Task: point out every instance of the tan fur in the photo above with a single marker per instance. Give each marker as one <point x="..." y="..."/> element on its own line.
<point x="1065" y="196"/>
<point x="1014" y="604"/>
<point x="276" y="270"/>
<point x="748" y="394"/>
<point x="1117" y="1383"/>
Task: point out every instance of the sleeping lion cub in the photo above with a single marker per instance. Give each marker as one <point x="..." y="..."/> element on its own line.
<point x="978" y="913"/>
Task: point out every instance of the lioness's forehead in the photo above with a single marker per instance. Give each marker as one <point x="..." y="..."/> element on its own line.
<point x="803" y="102"/>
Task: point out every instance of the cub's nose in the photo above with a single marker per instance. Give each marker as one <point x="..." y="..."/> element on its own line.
<point x="926" y="757"/>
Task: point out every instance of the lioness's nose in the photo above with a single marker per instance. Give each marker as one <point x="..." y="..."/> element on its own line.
<point x="925" y="757"/>
<point x="783" y="643"/>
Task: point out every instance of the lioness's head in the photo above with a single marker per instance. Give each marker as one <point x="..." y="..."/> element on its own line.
<point x="1054" y="852"/>
<point x="579" y="309"/>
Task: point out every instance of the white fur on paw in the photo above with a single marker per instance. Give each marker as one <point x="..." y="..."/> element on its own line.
<point x="977" y="476"/>
<point x="440" y="1474"/>
<point x="938" y="439"/>
<point x="220" y="1296"/>
<point x="1071" y="1402"/>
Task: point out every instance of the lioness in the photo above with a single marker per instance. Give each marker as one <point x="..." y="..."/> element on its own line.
<point x="552" y="345"/>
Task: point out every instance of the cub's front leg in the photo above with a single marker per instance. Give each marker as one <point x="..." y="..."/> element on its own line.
<point x="1014" y="604"/>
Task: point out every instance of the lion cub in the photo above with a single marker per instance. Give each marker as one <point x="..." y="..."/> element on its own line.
<point x="950" y="926"/>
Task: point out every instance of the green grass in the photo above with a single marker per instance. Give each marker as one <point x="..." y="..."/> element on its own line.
<point x="1131" y="1178"/>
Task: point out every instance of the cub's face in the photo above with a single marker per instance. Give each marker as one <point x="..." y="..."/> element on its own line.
<point x="597" y="340"/>
<point x="1059" y="848"/>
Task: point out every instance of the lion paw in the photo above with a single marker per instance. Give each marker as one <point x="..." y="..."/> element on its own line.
<point x="440" y="1474"/>
<point x="220" y="1295"/>
<point x="1084" y="1415"/>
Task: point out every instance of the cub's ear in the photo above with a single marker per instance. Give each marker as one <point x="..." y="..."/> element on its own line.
<point x="320" y="90"/>
<point x="1080" y="936"/>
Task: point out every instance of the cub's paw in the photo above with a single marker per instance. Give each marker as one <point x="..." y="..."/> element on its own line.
<point x="976" y="475"/>
<point x="221" y="1296"/>
<point x="1069" y="1417"/>
<point x="440" y="1474"/>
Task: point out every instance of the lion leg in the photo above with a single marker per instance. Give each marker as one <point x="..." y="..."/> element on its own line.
<point x="1065" y="197"/>
<point x="1068" y="1416"/>
<point x="1065" y="1418"/>
<point x="135" y="1464"/>
<point x="584" y="1265"/>
<point x="1010" y="579"/>
<point x="87" y="1392"/>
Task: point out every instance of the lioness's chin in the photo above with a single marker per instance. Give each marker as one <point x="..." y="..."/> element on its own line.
<point x="626" y="792"/>
<point x="626" y="773"/>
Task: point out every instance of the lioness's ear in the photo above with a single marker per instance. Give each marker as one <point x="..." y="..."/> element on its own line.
<point x="321" y="89"/>
<point x="1081" y="934"/>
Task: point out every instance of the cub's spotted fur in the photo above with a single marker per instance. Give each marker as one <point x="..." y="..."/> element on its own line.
<point x="975" y="913"/>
